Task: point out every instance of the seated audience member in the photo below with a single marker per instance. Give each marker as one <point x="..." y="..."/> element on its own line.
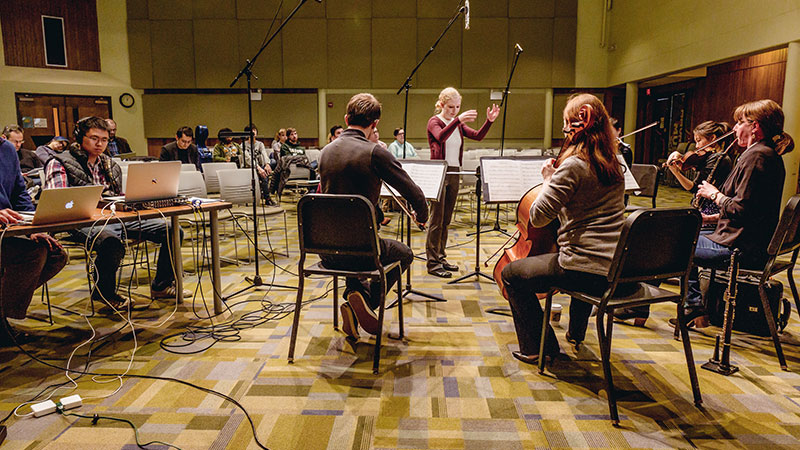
<point x="263" y="168"/>
<point x="116" y="144"/>
<point x="280" y="138"/>
<point x="226" y="150"/>
<point x="375" y="138"/>
<point x="27" y="158"/>
<point x="85" y="163"/>
<point x="291" y="153"/>
<point x="624" y="149"/>
<point x="25" y="262"/>
<point x="336" y="131"/>
<point x="396" y="147"/>
<point x="56" y="145"/>
<point x="182" y="149"/>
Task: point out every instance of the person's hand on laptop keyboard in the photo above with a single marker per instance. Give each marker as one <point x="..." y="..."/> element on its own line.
<point x="9" y="216"/>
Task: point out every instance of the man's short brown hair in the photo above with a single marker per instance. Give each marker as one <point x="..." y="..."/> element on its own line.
<point x="363" y="109"/>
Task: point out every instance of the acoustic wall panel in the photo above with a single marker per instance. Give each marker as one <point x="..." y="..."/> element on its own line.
<point x="169" y="9"/>
<point x="139" y="53"/>
<point x="394" y="8"/>
<point x="214" y="9"/>
<point x="349" y="53"/>
<point x="436" y="9"/>
<point x="308" y="10"/>
<point x="394" y="51"/>
<point x="269" y="66"/>
<point x="258" y="9"/>
<point x="564" y="41"/>
<point x="216" y="52"/>
<point x="137" y="9"/>
<point x="534" y="69"/>
<point x="172" y="43"/>
<point x="348" y="9"/>
<point x="531" y="8"/>
<point x="485" y="53"/>
<point x="482" y="8"/>
<point x="305" y="54"/>
<point x="443" y="66"/>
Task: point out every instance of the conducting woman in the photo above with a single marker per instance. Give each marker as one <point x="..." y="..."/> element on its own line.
<point x="446" y="132"/>
<point x="584" y="190"/>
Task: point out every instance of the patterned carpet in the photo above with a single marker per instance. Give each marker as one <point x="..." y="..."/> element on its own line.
<point x="451" y="384"/>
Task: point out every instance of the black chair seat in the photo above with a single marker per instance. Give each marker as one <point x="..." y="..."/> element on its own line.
<point x="319" y="269"/>
<point x="645" y="294"/>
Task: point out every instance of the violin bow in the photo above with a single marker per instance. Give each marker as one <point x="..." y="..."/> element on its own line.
<point x="402" y="206"/>
<point x="637" y="131"/>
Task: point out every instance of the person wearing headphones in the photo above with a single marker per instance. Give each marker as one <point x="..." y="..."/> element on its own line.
<point x="85" y="163"/>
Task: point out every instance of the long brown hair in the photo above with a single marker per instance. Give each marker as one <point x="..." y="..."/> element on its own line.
<point x="712" y="130"/>
<point x="593" y="141"/>
<point x="769" y="116"/>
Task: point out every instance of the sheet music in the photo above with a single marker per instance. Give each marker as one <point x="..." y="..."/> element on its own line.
<point x="630" y="181"/>
<point x="506" y="179"/>
<point x="428" y="175"/>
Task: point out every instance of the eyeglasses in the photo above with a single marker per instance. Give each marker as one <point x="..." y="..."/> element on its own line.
<point x="96" y="139"/>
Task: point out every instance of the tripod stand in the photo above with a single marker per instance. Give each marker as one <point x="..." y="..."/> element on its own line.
<point x="504" y="104"/>
<point x="256" y="281"/>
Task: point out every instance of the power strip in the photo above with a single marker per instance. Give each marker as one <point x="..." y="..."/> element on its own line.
<point x="48" y="407"/>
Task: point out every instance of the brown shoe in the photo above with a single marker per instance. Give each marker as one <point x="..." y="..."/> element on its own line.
<point x="349" y="321"/>
<point x="365" y="315"/>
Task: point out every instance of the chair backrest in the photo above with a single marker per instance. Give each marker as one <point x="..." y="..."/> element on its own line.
<point x="235" y="186"/>
<point x="298" y="173"/>
<point x="188" y="168"/>
<point x="210" y="172"/>
<point x="647" y="177"/>
<point x="313" y="154"/>
<point x="192" y="184"/>
<point x="787" y="234"/>
<point x="322" y="217"/>
<point x="656" y="244"/>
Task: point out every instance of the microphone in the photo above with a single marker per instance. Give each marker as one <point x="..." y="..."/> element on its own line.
<point x="466" y="14"/>
<point x="519" y="49"/>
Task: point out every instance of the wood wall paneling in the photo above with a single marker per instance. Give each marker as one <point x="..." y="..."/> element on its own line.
<point x="214" y="9"/>
<point x="394" y="8"/>
<point x="305" y="54"/>
<point x="258" y="9"/>
<point x="81" y="36"/>
<point x="349" y="51"/>
<point x="394" y="51"/>
<point x="443" y="66"/>
<point x="535" y="67"/>
<point x="169" y="9"/>
<point x="140" y="54"/>
<point x="269" y="67"/>
<point x="173" y="53"/>
<point x="216" y="52"/>
<point x="485" y="53"/>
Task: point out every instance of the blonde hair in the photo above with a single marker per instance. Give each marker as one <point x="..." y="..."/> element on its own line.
<point x="279" y="133"/>
<point x="447" y="94"/>
<point x="769" y="116"/>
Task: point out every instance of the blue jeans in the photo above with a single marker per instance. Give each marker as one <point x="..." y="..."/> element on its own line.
<point x="707" y="253"/>
<point x="110" y="250"/>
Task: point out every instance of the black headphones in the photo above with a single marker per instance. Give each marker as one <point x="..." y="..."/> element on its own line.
<point x="80" y="129"/>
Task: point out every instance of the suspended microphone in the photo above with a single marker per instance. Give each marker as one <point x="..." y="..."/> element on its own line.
<point x="466" y="14"/>
<point x="519" y="49"/>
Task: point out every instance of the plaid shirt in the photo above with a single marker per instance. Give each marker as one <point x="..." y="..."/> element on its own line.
<point x="55" y="175"/>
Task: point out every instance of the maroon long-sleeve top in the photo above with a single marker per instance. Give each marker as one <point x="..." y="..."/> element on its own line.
<point x="438" y="133"/>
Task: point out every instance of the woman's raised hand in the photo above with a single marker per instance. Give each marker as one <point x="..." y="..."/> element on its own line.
<point x="468" y="116"/>
<point x="493" y="112"/>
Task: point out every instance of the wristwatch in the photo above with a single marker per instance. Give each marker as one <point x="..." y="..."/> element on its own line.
<point x="714" y="196"/>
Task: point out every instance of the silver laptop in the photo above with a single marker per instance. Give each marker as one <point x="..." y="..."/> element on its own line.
<point x="151" y="181"/>
<point x="65" y="204"/>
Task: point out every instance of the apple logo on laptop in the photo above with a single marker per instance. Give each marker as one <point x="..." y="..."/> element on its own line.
<point x="154" y="181"/>
<point x="69" y="204"/>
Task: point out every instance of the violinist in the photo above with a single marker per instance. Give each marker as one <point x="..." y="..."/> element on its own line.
<point x="584" y="190"/>
<point x="749" y="201"/>
<point x="351" y="164"/>
<point x="711" y="159"/>
<point x="624" y="149"/>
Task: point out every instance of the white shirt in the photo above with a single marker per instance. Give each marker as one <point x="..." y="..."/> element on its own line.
<point x="452" y="146"/>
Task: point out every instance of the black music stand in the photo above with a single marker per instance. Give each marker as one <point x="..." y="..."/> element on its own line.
<point x="477" y="272"/>
<point x="247" y="72"/>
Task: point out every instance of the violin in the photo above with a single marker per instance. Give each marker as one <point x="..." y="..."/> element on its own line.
<point x="693" y="158"/>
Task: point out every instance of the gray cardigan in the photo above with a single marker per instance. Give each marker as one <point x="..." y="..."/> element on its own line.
<point x="590" y="214"/>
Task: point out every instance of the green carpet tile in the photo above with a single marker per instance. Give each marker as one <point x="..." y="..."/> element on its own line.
<point x="450" y="384"/>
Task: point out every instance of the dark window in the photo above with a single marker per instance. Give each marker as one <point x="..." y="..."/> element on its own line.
<point x="55" y="51"/>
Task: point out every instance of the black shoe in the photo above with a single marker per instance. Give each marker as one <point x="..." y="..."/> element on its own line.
<point x="639" y="318"/>
<point x="440" y="272"/>
<point x="115" y="300"/>
<point x="9" y="337"/>
<point x="575" y="343"/>
<point x="451" y="267"/>
<point x="271" y="202"/>
<point x="534" y="359"/>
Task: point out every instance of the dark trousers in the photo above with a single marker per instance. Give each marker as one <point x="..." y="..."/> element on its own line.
<point x="26" y="265"/>
<point x="391" y="251"/>
<point x="110" y="250"/>
<point x="524" y="278"/>
<point x="441" y="214"/>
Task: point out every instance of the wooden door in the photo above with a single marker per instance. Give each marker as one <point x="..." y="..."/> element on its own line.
<point x="44" y="116"/>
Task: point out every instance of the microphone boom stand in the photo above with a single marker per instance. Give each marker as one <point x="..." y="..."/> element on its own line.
<point x="504" y="104"/>
<point x="406" y="87"/>
<point x="257" y="281"/>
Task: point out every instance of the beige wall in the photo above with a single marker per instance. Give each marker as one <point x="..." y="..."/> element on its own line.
<point x="113" y="80"/>
<point x="656" y="38"/>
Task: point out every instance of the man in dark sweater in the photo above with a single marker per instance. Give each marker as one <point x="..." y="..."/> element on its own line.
<point x="27" y="158"/>
<point x="182" y="149"/>
<point x="352" y="164"/>
<point x="116" y="145"/>
<point x="27" y="262"/>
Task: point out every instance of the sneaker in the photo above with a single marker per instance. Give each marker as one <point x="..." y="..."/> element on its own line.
<point x="365" y="315"/>
<point x="349" y="321"/>
<point x="168" y="292"/>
